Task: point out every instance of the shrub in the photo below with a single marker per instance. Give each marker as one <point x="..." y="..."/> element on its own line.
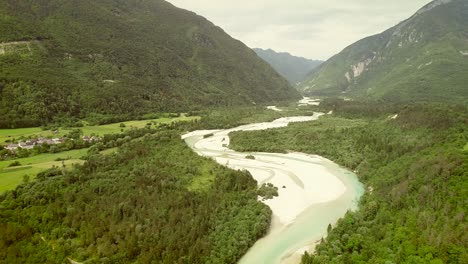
<point x="267" y="191"/>
<point x="250" y="157"/>
<point x="208" y="135"/>
<point x="15" y="164"/>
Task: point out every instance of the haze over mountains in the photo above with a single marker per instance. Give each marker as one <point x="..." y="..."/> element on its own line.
<point x="423" y="58"/>
<point x="293" y="68"/>
<point x="81" y="58"/>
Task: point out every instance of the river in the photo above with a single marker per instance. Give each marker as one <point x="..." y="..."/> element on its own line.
<point x="313" y="191"/>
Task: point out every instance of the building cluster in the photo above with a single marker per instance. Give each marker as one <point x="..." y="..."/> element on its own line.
<point x="31" y="143"/>
<point x="90" y="139"/>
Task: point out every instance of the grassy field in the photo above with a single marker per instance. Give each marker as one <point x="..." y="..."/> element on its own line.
<point x="115" y="128"/>
<point x="6" y="134"/>
<point x="11" y="177"/>
<point x="9" y="134"/>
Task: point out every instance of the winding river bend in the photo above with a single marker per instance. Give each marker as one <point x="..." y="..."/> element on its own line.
<point x="313" y="191"/>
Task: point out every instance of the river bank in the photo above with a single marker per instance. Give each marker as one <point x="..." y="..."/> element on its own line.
<point x="313" y="191"/>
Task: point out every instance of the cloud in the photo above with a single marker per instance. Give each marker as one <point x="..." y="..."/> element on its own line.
<point x="316" y="29"/>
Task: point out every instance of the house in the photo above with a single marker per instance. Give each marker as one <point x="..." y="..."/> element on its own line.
<point x="90" y="139"/>
<point x="11" y="147"/>
<point x="31" y="143"/>
<point x="25" y="145"/>
<point x="58" y="140"/>
<point x="47" y="141"/>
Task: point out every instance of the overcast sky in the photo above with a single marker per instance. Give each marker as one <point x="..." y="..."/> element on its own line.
<point x="316" y="29"/>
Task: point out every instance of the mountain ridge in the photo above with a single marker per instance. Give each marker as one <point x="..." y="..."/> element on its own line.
<point x="293" y="68"/>
<point x="117" y="57"/>
<point x="410" y="61"/>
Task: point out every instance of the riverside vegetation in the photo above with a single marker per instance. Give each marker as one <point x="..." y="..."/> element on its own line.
<point x="103" y="210"/>
<point x="414" y="162"/>
<point x="112" y="135"/>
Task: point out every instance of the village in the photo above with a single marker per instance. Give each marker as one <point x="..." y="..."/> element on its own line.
<point x="31" y="143"/>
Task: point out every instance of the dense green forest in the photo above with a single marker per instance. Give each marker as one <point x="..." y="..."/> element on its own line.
<point x="121" y="59"/>
<point x="144" y="204"/>
<point x="224" y="118"/>
<point x="414" y="161"/>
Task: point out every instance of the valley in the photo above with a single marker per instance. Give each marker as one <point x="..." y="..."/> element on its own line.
<point x="413" y="165"/>
<point x="294" y="69"/>
<point x="141" y="132"/>
<point x="308" y="186"/>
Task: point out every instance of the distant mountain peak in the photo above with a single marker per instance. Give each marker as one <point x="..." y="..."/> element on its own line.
<point x="421" y="58"/>
<point x="432" y="5"/>
<point x="293" y="68"/>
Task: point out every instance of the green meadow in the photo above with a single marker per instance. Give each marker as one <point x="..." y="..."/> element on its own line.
<point x="10" y="177"/>
<point x="115" y="128"/>
<point x="6" y="134"/>
<point x="9" y="134"/>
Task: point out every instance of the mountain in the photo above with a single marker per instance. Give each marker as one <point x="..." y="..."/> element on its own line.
<point x="62" y="59"/>
<point x="293" y="68"/>
<point x="423" y="58"/>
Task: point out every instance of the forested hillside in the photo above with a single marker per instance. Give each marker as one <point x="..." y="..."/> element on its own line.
<point x="414" y="162"/>
<point x="154" y="201"/>
<point x="424" y="58"/>
<point x="72" y="59"/>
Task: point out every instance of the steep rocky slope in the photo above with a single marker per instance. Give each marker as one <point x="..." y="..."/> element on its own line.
<point x="423" y="58"/>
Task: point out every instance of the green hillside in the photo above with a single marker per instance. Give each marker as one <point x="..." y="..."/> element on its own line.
<point x="423" y="58"/>
<point x="77" y="58"/>
<point x="294" y="69"/>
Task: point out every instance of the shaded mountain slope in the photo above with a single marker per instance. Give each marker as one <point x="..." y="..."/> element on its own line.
<point x="76" y="58"/>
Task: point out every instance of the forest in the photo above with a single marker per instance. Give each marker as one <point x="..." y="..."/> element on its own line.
<point x="413" y="160"/>
<point x="142" y="204"/>
<point x="70" y="60"/>
<point x="104" y="210"/>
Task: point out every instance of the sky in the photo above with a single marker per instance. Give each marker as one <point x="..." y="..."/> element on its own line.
<point x="315" y="29"/>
